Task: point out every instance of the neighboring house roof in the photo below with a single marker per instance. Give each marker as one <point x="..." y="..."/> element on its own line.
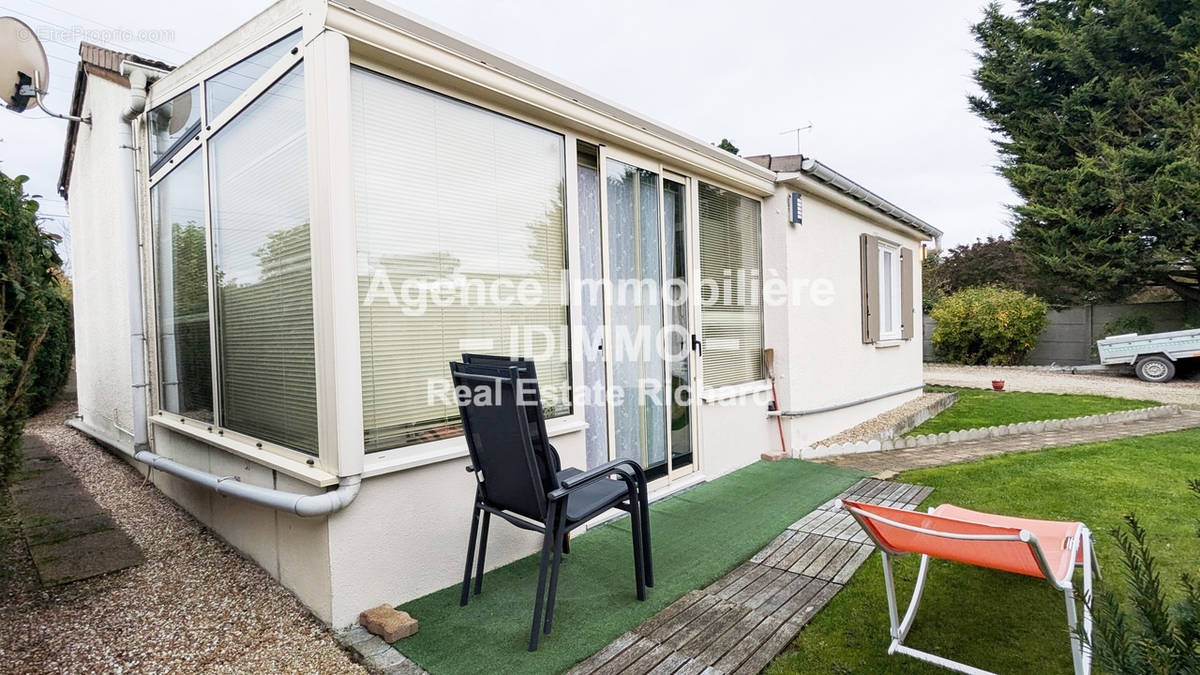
<point x="101" y="62"/>
<point x="824" y="174"/>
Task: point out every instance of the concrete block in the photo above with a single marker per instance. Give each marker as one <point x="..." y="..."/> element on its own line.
<point x="874" y="446"/>
<point x="388" y="623"/>
<point x="775" y="456"/>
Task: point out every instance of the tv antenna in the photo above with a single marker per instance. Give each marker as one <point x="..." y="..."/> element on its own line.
<point x="798" y="131"/>
<point x="24" y="70"/>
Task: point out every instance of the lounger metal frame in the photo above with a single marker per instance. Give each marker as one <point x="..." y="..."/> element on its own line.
<point x="1080" y="652"/>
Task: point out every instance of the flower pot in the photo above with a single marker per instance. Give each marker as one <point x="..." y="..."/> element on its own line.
<point x="997" y="385"/>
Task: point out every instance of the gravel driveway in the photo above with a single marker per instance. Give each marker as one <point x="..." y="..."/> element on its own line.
<point x="1181" y="392"/>
<point x="195" y="605"/>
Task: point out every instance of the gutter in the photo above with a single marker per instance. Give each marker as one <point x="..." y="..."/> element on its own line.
<point x="232" y="486"/>
<point x="839" y="406"/>
<point x="292" y="502"/>
<point x="829" y="176"/>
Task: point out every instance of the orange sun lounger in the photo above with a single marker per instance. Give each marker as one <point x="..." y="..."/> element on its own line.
<point x="1045" y="549"/>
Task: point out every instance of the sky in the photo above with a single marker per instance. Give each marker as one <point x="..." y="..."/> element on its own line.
<point x="884" y="84"/>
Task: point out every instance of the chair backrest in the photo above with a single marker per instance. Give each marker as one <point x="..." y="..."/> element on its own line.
<point x="531" y="403"/>
<point x="900" y="531"/>
<point x="497" y="432"/>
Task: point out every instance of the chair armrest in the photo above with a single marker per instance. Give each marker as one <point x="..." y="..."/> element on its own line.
<point x="628" y="470"/>
<point x="555" y="459"/>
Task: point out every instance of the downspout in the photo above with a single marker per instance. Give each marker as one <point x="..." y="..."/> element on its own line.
<point x="293" y="502"/>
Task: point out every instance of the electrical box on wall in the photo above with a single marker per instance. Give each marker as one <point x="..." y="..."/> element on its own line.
<point x="795" y="208"/>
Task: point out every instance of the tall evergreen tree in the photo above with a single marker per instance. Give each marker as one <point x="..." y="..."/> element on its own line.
<point x="1097" y="107"/>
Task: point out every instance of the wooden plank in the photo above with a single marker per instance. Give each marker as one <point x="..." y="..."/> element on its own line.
<point x="681" y="620"/>
<point x="669" y="612"/>
<point x="691" y="667"/>
<point x="751" y="644"/>
<point x="837" y="562"/>
<point x="648" y="661"/>
<point x="784" y="550"/>
<point x="721" y="644"/>
<point x="700" y="625"/>
<point x="746" y="579"/>
<point x="751" y="589"/>
<point x="729" y="618"/>
<point x="814" y="552"/>
<point x="626" y="657"/>
<point x="770" y="548"/>
<point x="603" y="656"/>
<point x="782" y="594"/>
<point x="796" y="604"/>
<point x="814" y="605"/>
<point x="860" y="556"/>
<point x="801" y="548"/>
<point x="736" y="574"/>
<point x="669" y="665"/>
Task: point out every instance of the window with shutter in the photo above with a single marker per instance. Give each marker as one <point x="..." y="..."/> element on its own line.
<point x="731" y="287"/>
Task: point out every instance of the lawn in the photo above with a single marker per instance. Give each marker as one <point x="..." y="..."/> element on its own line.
<point x="698" y="537"/>
<point x="978" y="408"/>
<point x="999" y="621"/>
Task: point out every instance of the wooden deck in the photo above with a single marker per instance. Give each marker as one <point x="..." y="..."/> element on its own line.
<point x="738" y="624"/>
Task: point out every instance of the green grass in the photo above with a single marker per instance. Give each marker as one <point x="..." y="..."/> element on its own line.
<point x="1003" y="622"/>
<point x="698" y="536"/>
<point x="978" y="408"/>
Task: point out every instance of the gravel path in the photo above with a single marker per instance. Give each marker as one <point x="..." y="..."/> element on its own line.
<point x="195" y="605"/>
<point x="1181" y="392"/>
<point x="874" y="426"/>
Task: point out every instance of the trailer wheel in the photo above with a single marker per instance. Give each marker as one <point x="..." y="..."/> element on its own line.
<point x="1155" y="369"/>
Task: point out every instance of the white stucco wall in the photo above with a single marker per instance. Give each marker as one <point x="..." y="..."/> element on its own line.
<point x="820" y="358"/>
<point x="98" y="272"/>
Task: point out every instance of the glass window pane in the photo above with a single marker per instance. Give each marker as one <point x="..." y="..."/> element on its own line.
<point x="591" y="292"/>
<point x="460" y="249"/>
<point x="679" y="336"/>
<point x="730" y="265"/>
<point x="173" y="124"/>
<point x="263" y="271"/>
<point x="221" y="89"/>
<point x="181" y="261"/>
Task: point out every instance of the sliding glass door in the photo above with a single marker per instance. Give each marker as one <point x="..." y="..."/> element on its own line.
<point x="648" y="336"/>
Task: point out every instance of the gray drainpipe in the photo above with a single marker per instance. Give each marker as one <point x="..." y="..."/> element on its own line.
<point x="839" y="406"/>
<point x="299" y="504"/>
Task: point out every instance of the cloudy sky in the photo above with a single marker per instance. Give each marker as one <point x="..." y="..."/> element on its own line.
<point x="883" y="83"/>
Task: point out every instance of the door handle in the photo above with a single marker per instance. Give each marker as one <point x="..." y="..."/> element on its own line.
<point x="697" y="345"/>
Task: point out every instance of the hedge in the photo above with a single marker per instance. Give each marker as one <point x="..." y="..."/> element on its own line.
<point x="987" y="325"/>
<point x="36" y="336"/>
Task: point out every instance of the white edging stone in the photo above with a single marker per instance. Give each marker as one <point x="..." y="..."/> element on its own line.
<point x="958" y="436"/>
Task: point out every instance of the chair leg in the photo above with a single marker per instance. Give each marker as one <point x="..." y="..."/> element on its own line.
<point x="560" y="535"/>
<point x="1073" y="627"/>
<point x="547" y="544"/>
<point x="566" y="543"/>
<point x="639" y="559"/>
<point x="483" y="542"/>
<point x="644" y="502"/>
<point x="466" y="586"/>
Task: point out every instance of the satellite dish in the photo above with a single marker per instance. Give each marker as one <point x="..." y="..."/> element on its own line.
<point x="24" y="71"/>
<point x="181" y="112"/>
<point x="23" y="65"/>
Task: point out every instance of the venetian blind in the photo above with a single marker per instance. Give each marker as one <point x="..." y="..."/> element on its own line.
<point x="731" y="287"/>
<point x="460" y="249"/>
<point x="263" y="269"/>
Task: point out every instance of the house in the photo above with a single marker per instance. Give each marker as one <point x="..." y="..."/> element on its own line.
<point x="280" y="243"/>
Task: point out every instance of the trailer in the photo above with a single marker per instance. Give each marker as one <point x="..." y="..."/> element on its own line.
<point x="1152" y="356"/>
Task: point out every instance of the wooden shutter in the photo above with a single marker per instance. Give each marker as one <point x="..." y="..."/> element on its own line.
<point x="907" y="318"/>
<point x="869" y="286"/>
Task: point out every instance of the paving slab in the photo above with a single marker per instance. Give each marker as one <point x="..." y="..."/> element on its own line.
<point x="69" y="536"/>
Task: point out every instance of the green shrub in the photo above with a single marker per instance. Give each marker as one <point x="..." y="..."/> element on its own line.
<point x="1155" y="637"/>
<point x="1129" y="322"/>
<point x="35" y="318"/>
<point x="987" y="325"/>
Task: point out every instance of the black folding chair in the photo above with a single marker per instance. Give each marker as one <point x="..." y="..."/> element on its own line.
<point x="520" y="481"/>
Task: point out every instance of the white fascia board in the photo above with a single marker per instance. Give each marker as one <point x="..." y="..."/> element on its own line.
<point x="399" y="33"/>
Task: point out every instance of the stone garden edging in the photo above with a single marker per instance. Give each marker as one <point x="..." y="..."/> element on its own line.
<point x="947" y="437"/>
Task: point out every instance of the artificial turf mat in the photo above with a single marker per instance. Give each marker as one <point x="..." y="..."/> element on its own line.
<point x="698" y="536"/>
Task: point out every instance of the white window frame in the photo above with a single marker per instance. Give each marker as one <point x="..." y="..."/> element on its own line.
<point x="890" y="278"/>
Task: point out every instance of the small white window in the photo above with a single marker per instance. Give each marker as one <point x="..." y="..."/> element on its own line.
<point x="889" y="292"/>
